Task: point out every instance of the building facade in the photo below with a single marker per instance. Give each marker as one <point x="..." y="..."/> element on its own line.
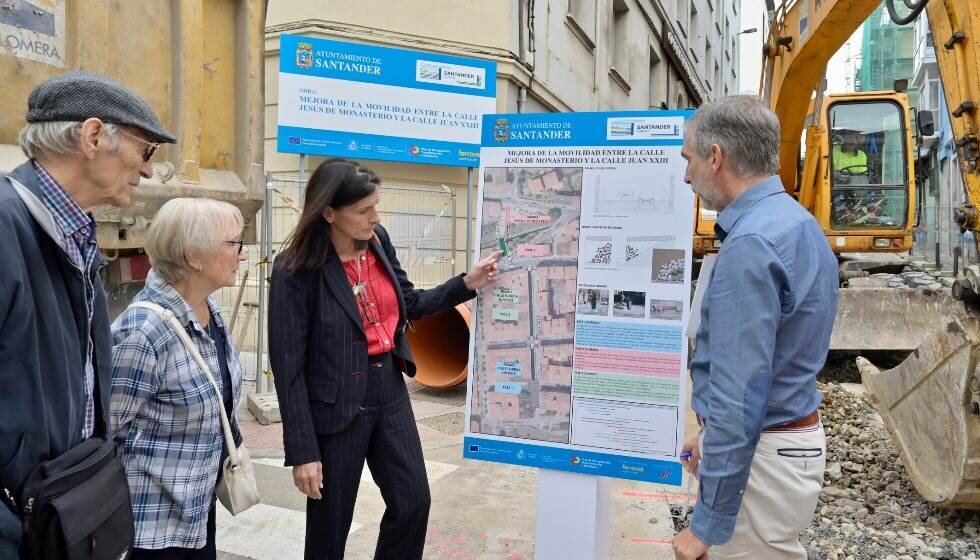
<point x="594" y="55"/>
<point x="941" y="191"/>
<point x="551" y="55"/>
<point x="887" y="52"/>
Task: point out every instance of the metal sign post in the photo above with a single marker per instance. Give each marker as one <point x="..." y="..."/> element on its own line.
<point x="302" y="180"/>
<point x="469" y="218"/>
<point x="573" y="516"/>
<point x="265" y="272"/>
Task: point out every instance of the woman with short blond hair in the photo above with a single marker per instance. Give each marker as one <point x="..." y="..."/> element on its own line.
<point x="163" y="404"/>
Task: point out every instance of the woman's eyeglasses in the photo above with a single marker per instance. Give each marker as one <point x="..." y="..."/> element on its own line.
<point x="240" y="243"/>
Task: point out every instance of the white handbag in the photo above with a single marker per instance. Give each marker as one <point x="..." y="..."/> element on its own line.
<point x="236" y="489"/>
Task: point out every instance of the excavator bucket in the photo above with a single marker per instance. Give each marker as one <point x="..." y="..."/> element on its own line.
<point x="890" y="319"/>
<point x="928" y="403"/>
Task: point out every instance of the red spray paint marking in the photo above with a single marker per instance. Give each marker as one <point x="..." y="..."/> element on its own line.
<point x="663" y="542"/>
<point x="657" y="496"/>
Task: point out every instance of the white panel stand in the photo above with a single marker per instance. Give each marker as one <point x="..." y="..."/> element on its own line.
<point x="573" y="517"/>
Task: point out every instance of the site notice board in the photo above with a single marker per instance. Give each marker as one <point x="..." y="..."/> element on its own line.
<point x="356" y="100"/>
<point x="578" y="355"/>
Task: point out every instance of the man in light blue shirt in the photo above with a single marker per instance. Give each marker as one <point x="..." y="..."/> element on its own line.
<point x="766" y="319"/>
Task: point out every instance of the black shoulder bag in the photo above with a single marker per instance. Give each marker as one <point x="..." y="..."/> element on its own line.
<point x="77" y="506"/>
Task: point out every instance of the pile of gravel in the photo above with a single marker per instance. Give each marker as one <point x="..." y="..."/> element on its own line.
<point x="868" y="509"/>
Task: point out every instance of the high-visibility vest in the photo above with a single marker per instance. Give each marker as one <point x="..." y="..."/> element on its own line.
<point x="856" y="164"/>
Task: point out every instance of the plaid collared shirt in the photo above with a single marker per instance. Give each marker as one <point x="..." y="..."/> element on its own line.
<point x="78" y="229"/>
<point x="169" y="414"/>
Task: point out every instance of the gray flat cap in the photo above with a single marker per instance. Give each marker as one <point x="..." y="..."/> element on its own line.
<point x="78" y="95"/>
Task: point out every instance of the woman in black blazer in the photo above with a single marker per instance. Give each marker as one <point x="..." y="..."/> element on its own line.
<point x="339" y="302"/>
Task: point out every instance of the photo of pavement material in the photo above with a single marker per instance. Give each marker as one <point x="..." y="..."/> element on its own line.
<point x="523" y="353"/>
<point x="629" y="304"/>
<point x="666" y="309"/>
<point x="668" y="266"/>
<point x="592" y="301"/>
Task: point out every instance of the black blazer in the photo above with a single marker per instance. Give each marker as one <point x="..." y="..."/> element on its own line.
<point x="318" y="349"/>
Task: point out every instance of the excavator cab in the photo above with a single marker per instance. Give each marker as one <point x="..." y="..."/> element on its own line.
<point x="868" y="167"/>
<point x="863" y="181"/>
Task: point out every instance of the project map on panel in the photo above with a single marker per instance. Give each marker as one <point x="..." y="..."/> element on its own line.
<point x="524" y="371"/>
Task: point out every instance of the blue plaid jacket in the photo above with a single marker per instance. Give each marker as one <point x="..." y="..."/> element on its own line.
<point x="168" y="412"/>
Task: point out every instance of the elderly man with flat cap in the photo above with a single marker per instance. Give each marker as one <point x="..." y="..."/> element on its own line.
<point x="89" y="140"/>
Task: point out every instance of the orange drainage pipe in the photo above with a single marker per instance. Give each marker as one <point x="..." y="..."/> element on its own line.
<point x="441" y="347"/>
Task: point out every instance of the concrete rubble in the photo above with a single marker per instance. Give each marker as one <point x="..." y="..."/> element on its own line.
<point x="915" y="275"/>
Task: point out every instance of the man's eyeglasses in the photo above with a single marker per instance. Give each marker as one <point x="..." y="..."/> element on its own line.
<point x="151" y="147"/>
<point x="240" y="243"/>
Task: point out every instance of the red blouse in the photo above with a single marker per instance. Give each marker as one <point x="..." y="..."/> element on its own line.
<point x="377" y="302"/>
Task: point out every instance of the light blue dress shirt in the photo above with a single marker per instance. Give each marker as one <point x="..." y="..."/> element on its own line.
<point x="765" y="331"/>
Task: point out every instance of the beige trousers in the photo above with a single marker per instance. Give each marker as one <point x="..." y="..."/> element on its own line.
<point x="780" y="498"/>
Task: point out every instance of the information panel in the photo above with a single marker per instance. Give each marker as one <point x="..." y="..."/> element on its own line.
<point x="363" y="101"/>
<point x="577" y="355"/>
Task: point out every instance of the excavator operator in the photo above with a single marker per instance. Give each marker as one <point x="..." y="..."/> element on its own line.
<point x="848" y="158"/>
<point x="851" y="207"/>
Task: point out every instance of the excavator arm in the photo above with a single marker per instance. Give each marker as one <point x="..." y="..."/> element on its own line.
<point x="930" y="403"/>
<point x="955" y="28"/>
<point x="805" y="34"/>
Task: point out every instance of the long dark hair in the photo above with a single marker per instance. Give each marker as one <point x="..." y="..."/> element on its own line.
<point x="336" y="183"/>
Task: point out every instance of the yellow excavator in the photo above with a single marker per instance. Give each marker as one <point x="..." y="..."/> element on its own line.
<point x="850" y="160"/>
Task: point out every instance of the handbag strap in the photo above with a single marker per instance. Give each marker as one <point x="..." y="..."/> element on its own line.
<point x="192" y="348"/>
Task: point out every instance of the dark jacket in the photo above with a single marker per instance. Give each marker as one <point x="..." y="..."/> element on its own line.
<point x="318" y="349"/>
<point x="44" y="339"/>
